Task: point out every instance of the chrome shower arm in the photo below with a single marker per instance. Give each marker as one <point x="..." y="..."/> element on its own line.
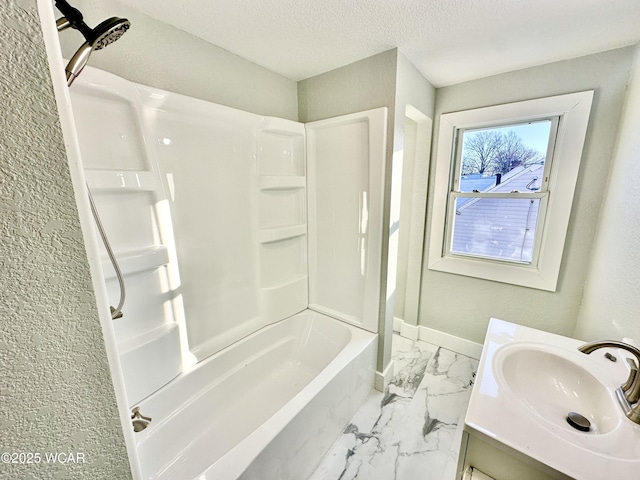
<point x="63" y="23"/>
<point x="74" y="18"/>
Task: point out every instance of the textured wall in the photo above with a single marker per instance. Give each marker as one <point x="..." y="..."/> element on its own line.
<point x="55" y="389"/>
<point x="462" y="305"/>
<point x="611" y="302"/>
<point x="156" y="54"/>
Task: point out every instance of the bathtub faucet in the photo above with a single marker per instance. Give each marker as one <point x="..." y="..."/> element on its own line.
<point x="139" y="421"/>
<point x="629" y="393"/>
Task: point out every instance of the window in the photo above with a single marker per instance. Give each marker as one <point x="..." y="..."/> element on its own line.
<point x="500" y="189"/>
<point x="505" y="179"/>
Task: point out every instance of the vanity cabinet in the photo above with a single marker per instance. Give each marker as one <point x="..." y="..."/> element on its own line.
<point x="499" y="461"/>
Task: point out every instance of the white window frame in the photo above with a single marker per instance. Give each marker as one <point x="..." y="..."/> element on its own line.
<point x="542" y="273"/>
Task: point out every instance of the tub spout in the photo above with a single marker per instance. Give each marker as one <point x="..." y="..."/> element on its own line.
<point x="139" y="421"/>
<point x="139" y="425"/>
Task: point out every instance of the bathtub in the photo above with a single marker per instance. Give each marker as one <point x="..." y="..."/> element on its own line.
<point x="268" y="407"/>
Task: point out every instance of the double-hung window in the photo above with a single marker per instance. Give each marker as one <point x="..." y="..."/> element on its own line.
<point x="505" y="179"/>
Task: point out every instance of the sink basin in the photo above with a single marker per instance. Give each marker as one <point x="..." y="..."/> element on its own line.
<point x="551" y="384"/>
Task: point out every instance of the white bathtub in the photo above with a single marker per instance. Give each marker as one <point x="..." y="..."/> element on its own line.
<point x="268" y="407"/>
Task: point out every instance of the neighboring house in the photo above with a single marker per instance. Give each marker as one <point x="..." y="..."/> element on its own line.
<point x="494" y="227"/>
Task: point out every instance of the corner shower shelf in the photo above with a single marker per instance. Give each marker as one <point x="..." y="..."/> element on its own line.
<point x="137" y="261"/>
<point x="289" y="293"/>
<point x="286" y="282"/>
<point x="281" y="233"/>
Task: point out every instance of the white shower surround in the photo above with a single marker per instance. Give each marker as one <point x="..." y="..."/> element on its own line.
<point x="218" y="267"/>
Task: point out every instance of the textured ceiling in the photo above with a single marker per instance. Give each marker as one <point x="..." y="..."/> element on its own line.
<point x="449" y="41"/>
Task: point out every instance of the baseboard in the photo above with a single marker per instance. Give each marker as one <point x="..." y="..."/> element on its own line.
<point x="383" y="379"/>
<point x="436" y="337"/>
<point x="451" y="342"/>
<point x="397" y="324"/>
<point x="410" y="331"/>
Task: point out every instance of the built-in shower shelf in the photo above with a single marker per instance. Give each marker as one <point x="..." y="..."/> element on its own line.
<point x="150" y="360"/>
<point x="137" y="261"/>
<point x="286" y="282"/>
<point x="123" y="180"/>
<point x="281" y="233"/>
<point x="146" y="338"/>
<point x="273" y="182"/>
<point x="282" y="127"/>
<point x="288" y="294"/>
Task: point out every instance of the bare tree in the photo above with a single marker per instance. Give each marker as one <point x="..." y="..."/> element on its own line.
<point x="480" y="151"/>
<point x="513" y="153"/>
<point x="490" y="151"/>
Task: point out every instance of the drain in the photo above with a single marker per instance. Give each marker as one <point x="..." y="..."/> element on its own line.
<point x="578" y="422"/>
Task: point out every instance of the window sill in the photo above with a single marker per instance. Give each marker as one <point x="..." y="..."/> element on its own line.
<point x="511" y="273"/>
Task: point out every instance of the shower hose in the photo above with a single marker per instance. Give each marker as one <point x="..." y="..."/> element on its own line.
<point x="117" y="311"/>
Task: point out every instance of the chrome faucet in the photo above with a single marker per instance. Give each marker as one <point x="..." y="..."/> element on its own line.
<point x="629" y="393"/>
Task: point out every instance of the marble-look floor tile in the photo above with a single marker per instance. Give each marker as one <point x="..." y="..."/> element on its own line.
<point x="414" y="429"/>
<point x="333" y="464"/>
<point x="409" y="362"/>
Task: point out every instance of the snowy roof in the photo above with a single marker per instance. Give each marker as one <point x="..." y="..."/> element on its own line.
<point x="500" y="228"/>
<point x="476" y="181"/>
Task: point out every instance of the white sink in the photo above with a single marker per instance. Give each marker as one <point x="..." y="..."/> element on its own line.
<point x="527" y="383"/>
<point x="551" y="383"/>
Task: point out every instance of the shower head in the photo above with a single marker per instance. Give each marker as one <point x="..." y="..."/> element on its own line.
<point x="108" y="32"/>
<point x="96" y="38"/>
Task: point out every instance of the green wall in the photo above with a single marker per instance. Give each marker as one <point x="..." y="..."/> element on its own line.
<point x="55" y="387"/>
